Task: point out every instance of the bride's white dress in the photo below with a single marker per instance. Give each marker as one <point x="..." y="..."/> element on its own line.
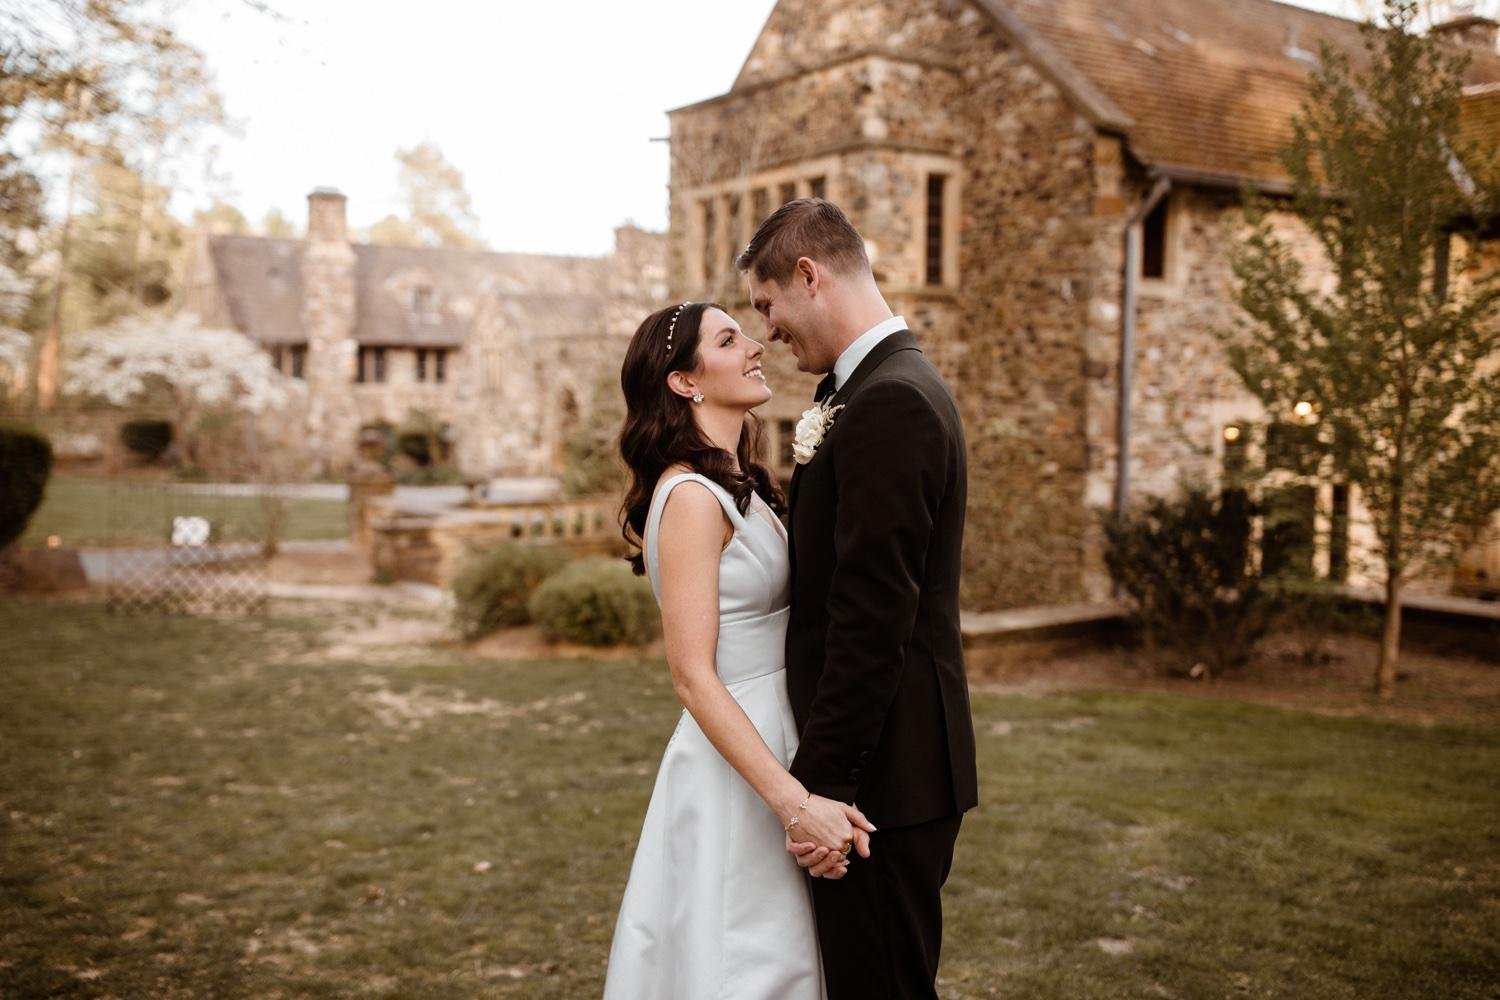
<point x="715" y="908"/>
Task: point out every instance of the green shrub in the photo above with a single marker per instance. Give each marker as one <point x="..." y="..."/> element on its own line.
<point x="146" y="439"/>
<point x="598" y="602"/>
<point x="25" y="464"/>
<point x="415" y="445"/>
<point x="492" y="589"/>
<point x="1194" y="586"/>
<point x="431" y="475"/>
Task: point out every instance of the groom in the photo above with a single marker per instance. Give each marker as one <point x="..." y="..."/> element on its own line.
<point x="874" y="662"/>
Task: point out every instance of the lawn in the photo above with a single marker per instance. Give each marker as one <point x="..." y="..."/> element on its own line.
<point x="267" y="808"/>
<point x="83" y="511"/>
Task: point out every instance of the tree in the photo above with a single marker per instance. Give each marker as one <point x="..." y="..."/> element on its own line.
<point x="221" y="217"/>
<point x="205" y="376"/>
<point x="102" y="77"/>
<point x="439" y="213"/>
<point x="15" y="354"/>
<point x="1394" y="361"/>
<point x="1430" y="12"/>
<point x="273" y="223"/>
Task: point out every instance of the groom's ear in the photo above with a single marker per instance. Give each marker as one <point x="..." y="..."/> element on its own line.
<point x="809" y="274"/>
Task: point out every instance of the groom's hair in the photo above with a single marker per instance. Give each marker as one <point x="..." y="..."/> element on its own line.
<point x="807" y="227"/>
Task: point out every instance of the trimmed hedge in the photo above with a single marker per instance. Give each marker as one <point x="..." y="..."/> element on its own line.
<point x="25" y="464"/>
<point x="147" y="439"/>
<point x="492" y="589"/>
<point x="597" y="602"/>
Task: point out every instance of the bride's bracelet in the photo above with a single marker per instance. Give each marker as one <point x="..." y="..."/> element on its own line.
<point x="798" y="817"/>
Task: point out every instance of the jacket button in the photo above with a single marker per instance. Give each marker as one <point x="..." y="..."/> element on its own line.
<point x="864" y="755"/>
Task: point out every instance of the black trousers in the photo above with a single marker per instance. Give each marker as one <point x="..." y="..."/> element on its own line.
<point x="881" y="925"/>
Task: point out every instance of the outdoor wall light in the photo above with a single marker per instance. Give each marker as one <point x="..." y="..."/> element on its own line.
<point x="1303" y="410"/>
<point x="54" y="541"/>
<point x="1232" y="433"/>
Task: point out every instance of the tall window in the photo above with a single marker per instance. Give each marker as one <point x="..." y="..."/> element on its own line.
<point x="298" y="357"/>
<point x="760" y="206"/>
<point x="817" y="187"/>
<point x="735" y="227"/>
<point x="371" y="366"/>
<point x="1154" y="242"/>
<point x="1338" y="535"/>
<point x="710" y="232"/>
<point x="935" y="191"/>
<point x="1290" y="511"/>
<point x="432" y="364"/>
<point x="788" y="192"/>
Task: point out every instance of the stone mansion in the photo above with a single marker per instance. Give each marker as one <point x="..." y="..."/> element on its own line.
<point x="504" y="350"/>
<point x="1039" y="183"/>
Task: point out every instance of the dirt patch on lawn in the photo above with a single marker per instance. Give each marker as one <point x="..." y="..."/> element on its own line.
<point x="527" y="643"/>
<point x="332" y="565"/>
<point x="1434" y="687"/>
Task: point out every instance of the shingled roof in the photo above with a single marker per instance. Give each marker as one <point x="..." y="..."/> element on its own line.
<point x="1205" y="88"/>
<point x="260" y="280"/>
<point x="260" y="283"/>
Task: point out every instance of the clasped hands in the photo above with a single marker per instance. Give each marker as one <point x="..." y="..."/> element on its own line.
<point x="826" y="832"/>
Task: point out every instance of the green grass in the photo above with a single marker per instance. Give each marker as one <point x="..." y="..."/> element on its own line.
<point x="192" y="807"/>
<point x="85" y="511"/>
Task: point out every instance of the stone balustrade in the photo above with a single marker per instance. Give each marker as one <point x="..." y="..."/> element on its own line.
<point x="431" y="546"/>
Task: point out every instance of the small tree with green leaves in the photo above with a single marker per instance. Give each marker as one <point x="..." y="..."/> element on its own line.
<point x="1397" y="354"/>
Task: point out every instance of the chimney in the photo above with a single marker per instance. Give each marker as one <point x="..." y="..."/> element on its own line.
<point x="325" y="216"/>
<point x="1468" y="30"/>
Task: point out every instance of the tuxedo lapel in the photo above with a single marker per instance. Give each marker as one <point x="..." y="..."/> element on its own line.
<point x="902" y="340"/>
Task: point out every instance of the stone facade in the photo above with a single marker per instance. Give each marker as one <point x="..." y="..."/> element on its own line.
<point x="505" y="351"/>
<point x="1046" y="127"/>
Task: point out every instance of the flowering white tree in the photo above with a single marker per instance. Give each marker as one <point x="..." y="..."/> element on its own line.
<point x="211" y="379"/>
<point x="203" y="368"/>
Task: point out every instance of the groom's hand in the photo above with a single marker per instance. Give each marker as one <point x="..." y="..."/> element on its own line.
<point x="819" y="862"/>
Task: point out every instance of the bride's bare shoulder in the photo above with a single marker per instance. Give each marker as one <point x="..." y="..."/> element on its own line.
<point x="694" y="511"/>
<point x="676" y="469"/>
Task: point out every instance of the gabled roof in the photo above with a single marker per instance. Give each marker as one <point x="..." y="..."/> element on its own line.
<point x="1202" y="89"/>
<point x="261" y="282"/>
<point x="1209" y="86"/>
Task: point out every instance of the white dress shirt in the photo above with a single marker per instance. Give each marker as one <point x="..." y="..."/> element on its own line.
<point x="863" y="345"/>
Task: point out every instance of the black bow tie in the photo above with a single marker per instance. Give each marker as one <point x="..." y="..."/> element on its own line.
<point x="825" y="388"/>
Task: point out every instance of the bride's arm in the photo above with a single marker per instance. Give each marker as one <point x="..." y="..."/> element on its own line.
<point x="691" y="537"/>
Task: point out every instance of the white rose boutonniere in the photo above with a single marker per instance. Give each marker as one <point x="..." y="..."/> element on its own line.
<point x="810" y="430"/>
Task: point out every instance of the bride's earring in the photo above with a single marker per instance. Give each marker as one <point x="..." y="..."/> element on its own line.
<point x="697" y="397"/>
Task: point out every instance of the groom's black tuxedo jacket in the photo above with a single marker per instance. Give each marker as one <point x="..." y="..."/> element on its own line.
<point x="874" y="658"/>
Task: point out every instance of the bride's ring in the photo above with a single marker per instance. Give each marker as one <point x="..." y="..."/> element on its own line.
<point x="849" y="846"/>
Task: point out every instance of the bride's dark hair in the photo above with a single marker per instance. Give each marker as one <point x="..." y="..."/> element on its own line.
<point x="660" y="431"/>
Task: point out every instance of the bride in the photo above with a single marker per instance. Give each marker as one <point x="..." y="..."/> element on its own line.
<point x="715" y="905"/>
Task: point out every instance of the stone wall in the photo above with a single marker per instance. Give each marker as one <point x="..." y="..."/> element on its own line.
<point x="935" y="89"/>
<point x="869" y="99"/>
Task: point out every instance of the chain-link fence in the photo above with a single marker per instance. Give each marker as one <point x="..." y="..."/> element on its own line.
<point x="187" y="549"/>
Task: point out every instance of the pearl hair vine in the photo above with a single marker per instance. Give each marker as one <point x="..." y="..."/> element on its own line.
<point x="672" y="326"/>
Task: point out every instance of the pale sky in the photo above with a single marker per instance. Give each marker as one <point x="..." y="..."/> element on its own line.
<point x="548" y="108"/>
